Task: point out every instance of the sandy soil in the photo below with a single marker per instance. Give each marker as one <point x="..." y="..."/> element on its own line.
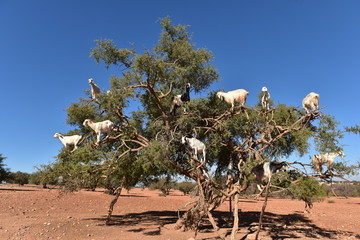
<point x="33" y="213"/>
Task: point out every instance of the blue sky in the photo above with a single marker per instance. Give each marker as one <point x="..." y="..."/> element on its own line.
<point x="293" y="47"/>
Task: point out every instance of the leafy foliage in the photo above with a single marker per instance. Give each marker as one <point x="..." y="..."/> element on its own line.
<point x="163" y="184"/>
<point x="308" y="190"/>
<point x="185" y="187"/>
<point x="328" y="135"/>
<point x="344" y="190"/>
<point x="354" y="129"/>
<point x="19" y="177"/>
<point x="4" y="172"/>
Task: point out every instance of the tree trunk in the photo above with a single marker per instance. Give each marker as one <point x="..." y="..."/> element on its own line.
<point x="236" y="217"/>
<point x="263" y="210"/>
<point x="113" y="202"/>
<point x="208" y="201"/>
<point x="192" y="218"/>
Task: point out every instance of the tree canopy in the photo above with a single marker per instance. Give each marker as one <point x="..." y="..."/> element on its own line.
<point x="145" y="143"/>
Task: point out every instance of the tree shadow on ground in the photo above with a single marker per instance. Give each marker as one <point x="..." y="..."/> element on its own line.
<point x="277" y="226"/>
<point x="130" y="196"/>
<point x="280" y="226"/>
<point x="145" y="218"/>
<point x="17" y="190"/>
<point x="150" y="222"/>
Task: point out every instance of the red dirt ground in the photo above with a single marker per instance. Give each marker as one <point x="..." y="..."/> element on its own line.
<point x="33" y="213"/>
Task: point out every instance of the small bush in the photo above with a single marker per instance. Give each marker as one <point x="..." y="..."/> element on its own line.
<point x="18" y="177"/>
<point x="357" y="185"/>
<point x="185" y="187"/>
<point x="308" y="190"/>
<point x="344" y="190"/>
<point x="162" y="184"/>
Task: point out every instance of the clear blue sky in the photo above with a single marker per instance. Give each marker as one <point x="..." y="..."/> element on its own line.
<point x="293" y="47"/>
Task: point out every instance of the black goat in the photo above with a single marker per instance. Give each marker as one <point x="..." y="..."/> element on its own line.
<point x="180" y="100"/>
<point x="267" y="170"/>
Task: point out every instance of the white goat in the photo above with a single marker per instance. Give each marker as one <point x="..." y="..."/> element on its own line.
<point x="266" y="170"/>
<point x="95" y="90"/>
<point x="100" y="127"/>
<point x="231" y="97"/>
<point x="265" y="100"/>
<point x="196" y="145"/>
<point x="311" y="101"/>
<point x="69" y="140"/>
<point x="319" y="160"/>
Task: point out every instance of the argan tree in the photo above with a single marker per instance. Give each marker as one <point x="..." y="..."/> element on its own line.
<point x="145" y="143"/>
<point x="4" y="172"/>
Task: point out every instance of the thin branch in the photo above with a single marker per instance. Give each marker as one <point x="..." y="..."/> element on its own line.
<point x="263" y="211"/>
<point x="142" y="85"/>
<point x="166" y="94"/>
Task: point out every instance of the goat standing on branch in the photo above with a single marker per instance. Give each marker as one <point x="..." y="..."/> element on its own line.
<point x="231" y="97"/>
<point x="180" y="100"/>
<point x="100" y="127"/>
<point x="319" y="160"/>
<point x="266" y="170"/>
<point x="311" y="102"/>
<point x="197" y="146"/>
<point x="69" y="140"/>
<point x="95" y="90"/>
<point x="265" y="99"/>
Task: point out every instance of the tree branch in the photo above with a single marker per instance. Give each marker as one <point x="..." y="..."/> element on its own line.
<point x="166" y="94"/>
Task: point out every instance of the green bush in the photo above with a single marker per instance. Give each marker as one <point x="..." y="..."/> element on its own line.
<point x="162" y="184"/>
<point x="185" y="187"/>
<point x="344" y="190"/>
<point x="35" y="178"/>
<point x="357" y="184"/>
<point x="18" y="177"/>
<point x="308" y="190"/>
